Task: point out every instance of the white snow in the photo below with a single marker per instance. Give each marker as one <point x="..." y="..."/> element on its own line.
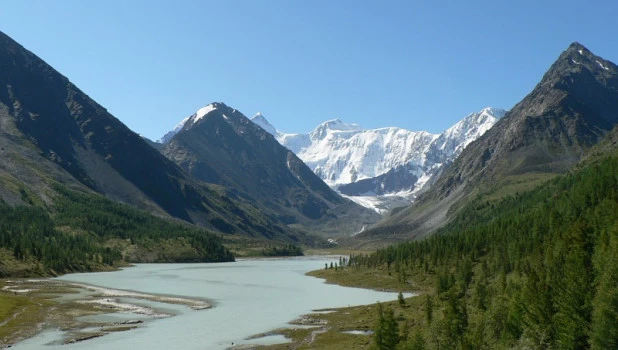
<point x="193" y="119"/>
<point x="572" y="60"/>
<point x="181" y="124"/>
<point x="203" y="111"/>
<point x="423" y="180"/>
<point x="581" y="52"/>
<point x="383" y="204"/>
<point x="261" y="121"/>
<point x="454" y="139"/>
<point x="602" y="66"/>
<point x="167" y="137"/>
<point x="342" y="153"/>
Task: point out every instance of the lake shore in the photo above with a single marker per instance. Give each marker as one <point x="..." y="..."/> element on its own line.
<point x="78" y="312"/>
<point x="347" y="327"/>
<point x="252" y="297"/>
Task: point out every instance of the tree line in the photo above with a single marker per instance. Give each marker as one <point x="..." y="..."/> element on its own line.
<point x="535" y="270"/>
<point x="73" y="234"/>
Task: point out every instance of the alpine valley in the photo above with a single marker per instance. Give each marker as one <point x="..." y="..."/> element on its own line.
<point x="506" y="222"/>
<point x="219" y="145"/>
<point x="520" y="241"/>
<point x="105" y="192"/>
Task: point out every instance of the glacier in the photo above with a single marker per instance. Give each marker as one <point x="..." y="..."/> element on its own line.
<point x="378" y="168"/>
<point x="390" y="165"/>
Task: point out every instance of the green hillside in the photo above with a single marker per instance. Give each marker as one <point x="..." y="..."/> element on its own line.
<point x="537" y="270"/>
<point x="86" y="232"/>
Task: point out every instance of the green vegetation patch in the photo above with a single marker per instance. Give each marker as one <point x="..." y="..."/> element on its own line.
<point x="353" y="327"/>
<point x="536" y="270"/>
<point x="87" y="232"/>
<point x="378" y="279"/>
<point x="19" y="316"/>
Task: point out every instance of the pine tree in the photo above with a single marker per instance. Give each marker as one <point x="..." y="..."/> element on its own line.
<point x="386" y="334"/>
<point x="573" y="291"/>
<point x="604" y="329"/>
<point x="429" y="309"/>
<point x="417" y="342"/>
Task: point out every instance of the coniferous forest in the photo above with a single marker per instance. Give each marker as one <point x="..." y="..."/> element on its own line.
<point x="85" y="232"/>
<point x="537" y="270"/>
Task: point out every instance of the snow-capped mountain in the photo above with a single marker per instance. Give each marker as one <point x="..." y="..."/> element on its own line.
<point x="264" y="124"/>
<point x="452" y="141"/>
<point x="168" y="136"/>
<point x="220" y="145"/>
<point x="387" y="162"/>
<point x="343" y="153"/>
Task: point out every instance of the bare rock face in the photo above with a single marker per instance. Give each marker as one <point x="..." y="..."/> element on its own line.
<point x="53" y="134"/>
<point x="573" y="106"/>
<point x="219" y="145"/>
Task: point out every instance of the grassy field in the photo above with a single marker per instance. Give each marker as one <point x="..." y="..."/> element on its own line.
<point x="331" y="327"/>
<point x="375" y="279"/>
<point x="20" y="316"/>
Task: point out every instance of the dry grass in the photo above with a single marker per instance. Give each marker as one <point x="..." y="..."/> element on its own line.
<point x="20" y="316"/>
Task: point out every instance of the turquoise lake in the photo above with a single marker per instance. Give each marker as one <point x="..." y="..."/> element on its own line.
<point x="249" y="297"/>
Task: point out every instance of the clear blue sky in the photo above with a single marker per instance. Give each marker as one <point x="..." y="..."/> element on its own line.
<point x="421" y="65"/>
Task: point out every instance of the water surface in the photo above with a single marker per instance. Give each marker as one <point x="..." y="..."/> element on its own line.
<point x="249" y="297"/>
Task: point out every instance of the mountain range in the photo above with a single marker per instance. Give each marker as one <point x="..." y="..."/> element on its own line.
<point x="54" y="137"/>
<point x="385" y="167"/>
<point x="570" y="110"/>
<point x="219" y="145"/>
<point x="51" y="133"/>
<point x="222" y="171"/>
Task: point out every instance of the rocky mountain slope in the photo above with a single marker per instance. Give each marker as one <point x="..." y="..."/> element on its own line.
<point x="52" y="134"/>
<point x="219" y="145"/>
<point x="573" y="106"/>
<point x="380" y="167"/>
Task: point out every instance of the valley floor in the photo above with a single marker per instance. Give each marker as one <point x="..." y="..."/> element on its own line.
<point x="76" y="312"/>
<point x="353" y="327"/>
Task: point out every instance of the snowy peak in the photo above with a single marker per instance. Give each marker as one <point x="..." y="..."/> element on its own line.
<point x="190" y="120"/>
<point x="201" y="113"/>
<point x="195" y="118"/>
<point x="384" y="161"/>
<point x="575" y="58"/>
<point x="208" y="110"/>
<point x="170" y="134"/>
<point x="338" y="125"/>
<point x="334" y="125"/>
<point x="263" y="123"/>
<point x="453" y="140"/>
<point x="493" y="112"/>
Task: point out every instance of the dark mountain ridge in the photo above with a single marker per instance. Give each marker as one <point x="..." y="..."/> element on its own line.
<point x="222" y="146"/>
<point x="51" y="132"/>
<point x="573" y="106"/>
